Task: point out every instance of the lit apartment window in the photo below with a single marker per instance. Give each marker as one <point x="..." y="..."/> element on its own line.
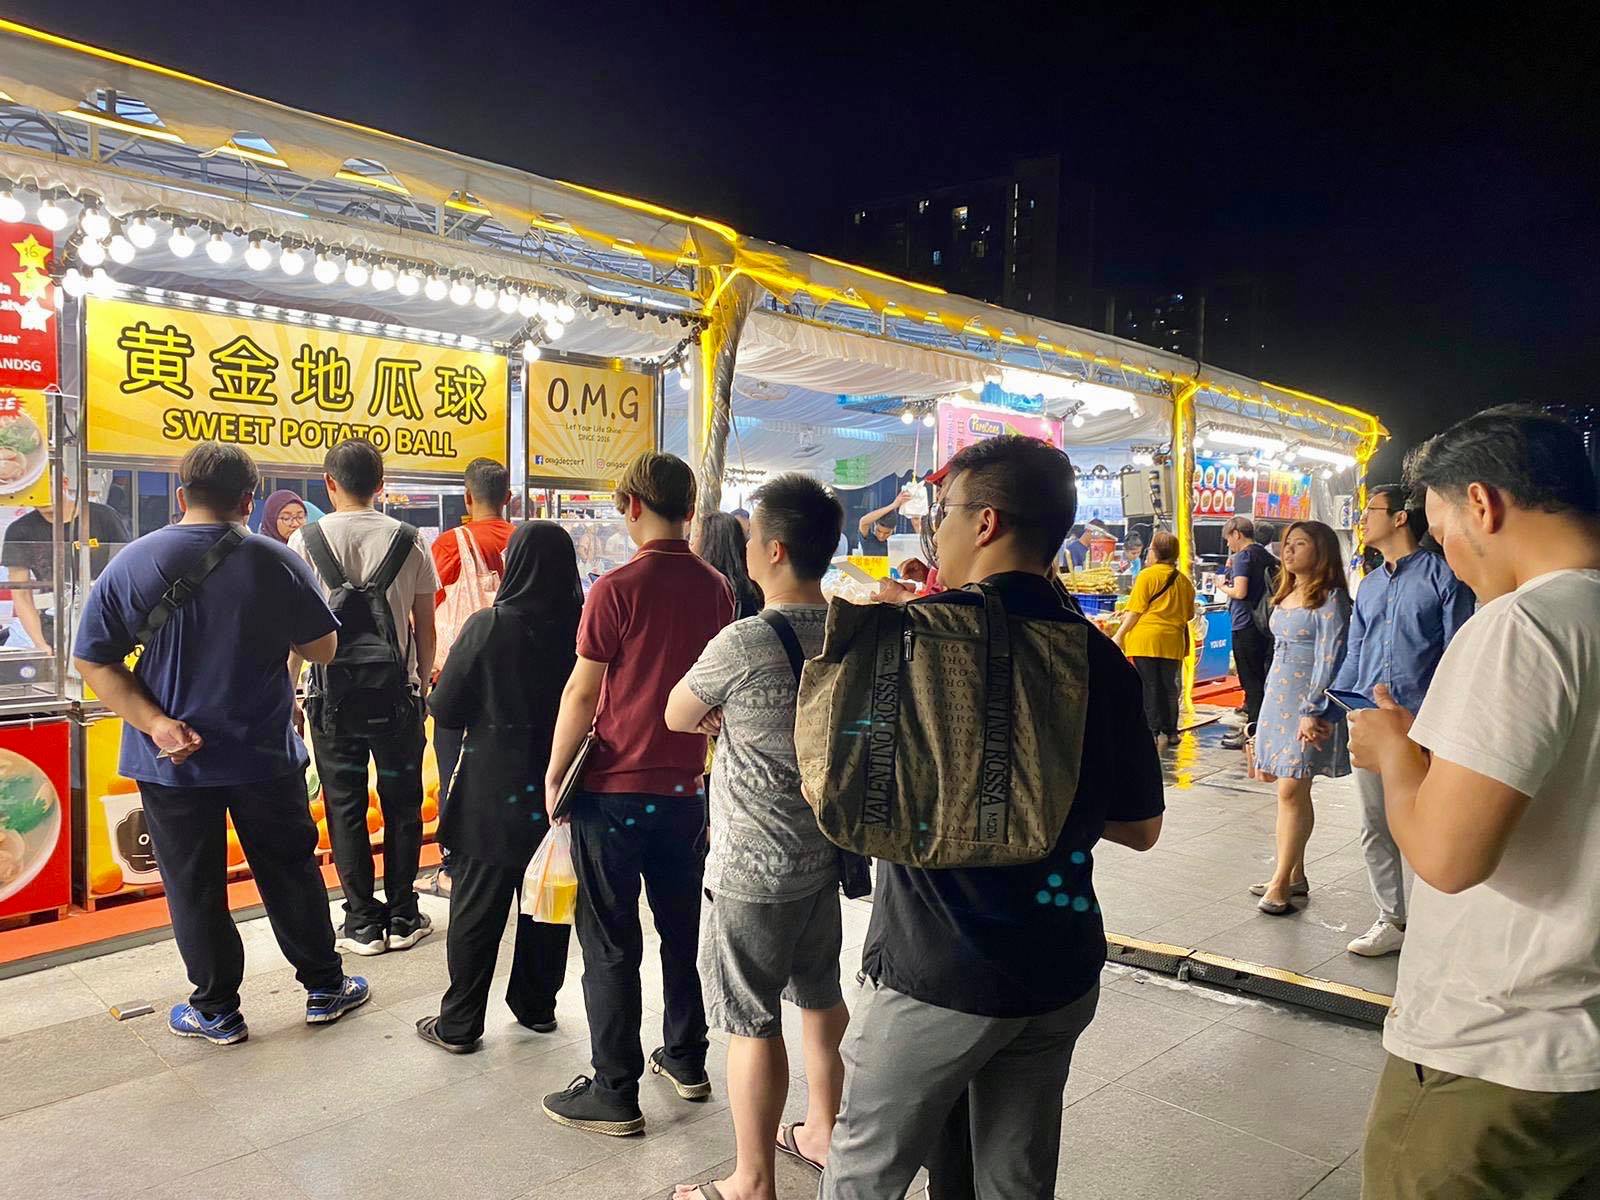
<point x="861" y="216"/>
<point x="959" y="215"/>
<point x="922" y="206"/>
<point x="979" y="248"/>
<point x="938" y="258"/>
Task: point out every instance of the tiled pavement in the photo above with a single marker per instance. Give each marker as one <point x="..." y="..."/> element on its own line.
<point x="1176" y="1091"/>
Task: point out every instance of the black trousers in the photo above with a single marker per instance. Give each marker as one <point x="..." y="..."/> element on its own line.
<point x="617" y="841"/>
<point x="342" y="763"/>
<point x="189" y="832"/>
<point x="1163" y="688"/>
<point x="481" y="894"/>
<point x="447" y="745"/>
<point x="1252" y="655"/>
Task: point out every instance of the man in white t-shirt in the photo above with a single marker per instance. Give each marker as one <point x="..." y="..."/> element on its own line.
<point x="360" y="540"/>
<point x="1492" y="1088"/>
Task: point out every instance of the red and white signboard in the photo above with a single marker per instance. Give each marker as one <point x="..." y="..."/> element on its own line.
<point x="28" y="317"/>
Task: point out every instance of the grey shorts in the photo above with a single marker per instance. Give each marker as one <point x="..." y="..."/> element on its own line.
<point x="752" y="955"/>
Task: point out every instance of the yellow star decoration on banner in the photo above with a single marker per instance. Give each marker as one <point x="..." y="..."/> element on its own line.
<point x="32" y="281"/>
<point x="30" y="253"/>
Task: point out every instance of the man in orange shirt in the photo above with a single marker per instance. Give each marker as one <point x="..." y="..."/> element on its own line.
<point x="488" y="491"/>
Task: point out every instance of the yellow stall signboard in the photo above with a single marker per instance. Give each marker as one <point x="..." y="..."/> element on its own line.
<point x="585" y="423"/>
<point x="161" y="379"/>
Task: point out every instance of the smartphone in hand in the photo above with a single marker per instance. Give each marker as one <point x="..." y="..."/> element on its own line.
<point x="1350" y="701"/>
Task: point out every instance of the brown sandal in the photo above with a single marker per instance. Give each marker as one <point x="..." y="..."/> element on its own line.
<point x="788" y="1144"/>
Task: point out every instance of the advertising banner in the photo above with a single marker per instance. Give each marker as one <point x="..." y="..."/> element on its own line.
<point x="1222" y="488"/>
<point x="35" y="818"/>
<point x="961" y="425"/>
<point x="24" y="448"/>
<point x="1284" y="495"/>
<point x="586" y="423"/>
<point x="29" y="323"/>
<point x="161" y="379"/>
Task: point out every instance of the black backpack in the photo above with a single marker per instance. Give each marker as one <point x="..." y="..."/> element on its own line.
<point x="366" y="690"/>
<point x="1261" y="613"/>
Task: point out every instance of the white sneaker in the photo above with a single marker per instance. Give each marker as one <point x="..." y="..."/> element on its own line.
<point x="1383" y="938"/>
<point x="1234" y="720"/>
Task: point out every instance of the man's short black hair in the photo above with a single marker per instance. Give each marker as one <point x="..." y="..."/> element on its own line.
<point x="1028" y="481"/>
<point x="218" y="476"/>
<point x="1399" y="499"/>
<point x="805" y="516"/>
<point x="356" y="466"/>
<point x="1535" y="459"/>
<point x="488" y="482"/>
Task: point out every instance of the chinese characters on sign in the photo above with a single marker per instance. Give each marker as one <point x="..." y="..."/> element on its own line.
<point x="161" y="379"/>
<point x="586" y="423"/>
<point x="28" y="357"/>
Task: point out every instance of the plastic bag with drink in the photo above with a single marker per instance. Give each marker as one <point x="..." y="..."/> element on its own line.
<point x="550" y="885"/>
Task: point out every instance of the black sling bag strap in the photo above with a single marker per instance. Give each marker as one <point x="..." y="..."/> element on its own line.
<point x="855" y="870"/>
<point x="188" y="584"/>
<point x="1162" y="590"/>
<point x="994" y="779"/>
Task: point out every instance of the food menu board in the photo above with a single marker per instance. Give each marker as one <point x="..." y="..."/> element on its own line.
<point x="35" y="818"/>
<point x="1283" y="495"/>
<point x="1221" y="488"/>
<point x="24" y="448"/>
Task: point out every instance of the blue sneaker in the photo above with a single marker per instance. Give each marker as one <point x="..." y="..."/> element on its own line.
<point x="323" y="1008"/>
<point x="225" y="1029"/>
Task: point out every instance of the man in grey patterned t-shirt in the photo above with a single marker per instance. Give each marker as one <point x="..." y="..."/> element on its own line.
<point x="770" y="928"/>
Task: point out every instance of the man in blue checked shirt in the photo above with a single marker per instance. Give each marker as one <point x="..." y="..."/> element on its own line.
<point x="1406" y="611"/>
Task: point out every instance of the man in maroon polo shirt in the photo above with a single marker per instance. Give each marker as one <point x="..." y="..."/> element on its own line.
<point x="642" y="810"/>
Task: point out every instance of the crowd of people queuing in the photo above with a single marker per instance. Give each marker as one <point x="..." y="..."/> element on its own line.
<point x="1475" y="741"/>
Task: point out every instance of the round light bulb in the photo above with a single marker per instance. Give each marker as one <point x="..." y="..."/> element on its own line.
<point x="460" y="293"/>
<point x="565" y="313"/>
<point x="683" y="379"/>
<point x="436" y="288"/>
<point x="141" y="233"/>
<point x="1077" y="421"/>
<point x="927" y="420"/>
<point x="546" y="309"/>
<point x="91" y="254"/>
<point x="325" y="269"/>
<point x="95" y="224"/>
<point x="484" y="297"/>
<point x="530" y="352"/>
<point x="256" y="256"/>
<point x="553" y="330"/>
<point x="11" y="209"/>
<point x="1327" y="472"/>
<point x="527" y="306"/>
<point x="908" y="417"/>
<point x="356" y="273"/>
<point x="291" y="261"/>
<point x="1199" y="439"/>
<point x="407" y="283"/>
<point x="181" y="243"/>
<point x="121" y="250"/>
<point x="218" y="250"/>
<point x="102" y="284"/>
<point x="52" y="216"/>
<point x="507" y="301"/>
<point x="382" y="277"/>
<point x="73" y="283"/>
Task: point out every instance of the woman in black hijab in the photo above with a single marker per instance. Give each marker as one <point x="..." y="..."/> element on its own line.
<point x="502" y="684"/>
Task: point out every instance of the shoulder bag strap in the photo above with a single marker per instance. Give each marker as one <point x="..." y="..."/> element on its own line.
<point x="779" y="624"/>
<point x="322" y="556"/>
<point x="188" y="584"/>
<point x="399" y="550"/>
<point x="994" y="773"/>
<point x="467" y="550"/>
<point x="1163" y="589"/>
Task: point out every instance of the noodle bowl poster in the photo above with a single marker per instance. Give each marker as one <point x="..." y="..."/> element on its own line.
<point x="24" y="449"/>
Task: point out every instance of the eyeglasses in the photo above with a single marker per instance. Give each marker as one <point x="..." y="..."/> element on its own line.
<point x="1371" y="508"/>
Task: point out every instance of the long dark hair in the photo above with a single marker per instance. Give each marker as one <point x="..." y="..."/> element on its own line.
<point x="722" y="544"/>
<point x="1327" y="576"/>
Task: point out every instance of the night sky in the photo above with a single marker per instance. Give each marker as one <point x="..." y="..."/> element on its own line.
<point x="1421" y="196"/>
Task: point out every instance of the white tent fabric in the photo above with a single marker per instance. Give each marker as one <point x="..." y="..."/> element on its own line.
<point x="779" y="349"/>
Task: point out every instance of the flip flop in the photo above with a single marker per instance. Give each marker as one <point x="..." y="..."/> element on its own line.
<point x="708" y="1191"/>
<point x="789" y="1146"/>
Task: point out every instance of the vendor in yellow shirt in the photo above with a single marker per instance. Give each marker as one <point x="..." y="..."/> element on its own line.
<point x="1155" y="634"/>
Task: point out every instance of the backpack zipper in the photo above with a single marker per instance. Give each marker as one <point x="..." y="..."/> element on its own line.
<point x="912" y="633"/>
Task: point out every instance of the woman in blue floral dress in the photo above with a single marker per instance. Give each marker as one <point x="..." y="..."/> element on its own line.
<point x="1293" y="744"/>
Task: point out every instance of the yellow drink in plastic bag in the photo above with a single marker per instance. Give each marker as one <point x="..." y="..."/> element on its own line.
<point x="558" y="901"/>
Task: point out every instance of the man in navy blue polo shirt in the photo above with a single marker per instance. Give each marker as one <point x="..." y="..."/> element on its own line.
<point x="1406" y="611"/>
<point x="208" y="733"/>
